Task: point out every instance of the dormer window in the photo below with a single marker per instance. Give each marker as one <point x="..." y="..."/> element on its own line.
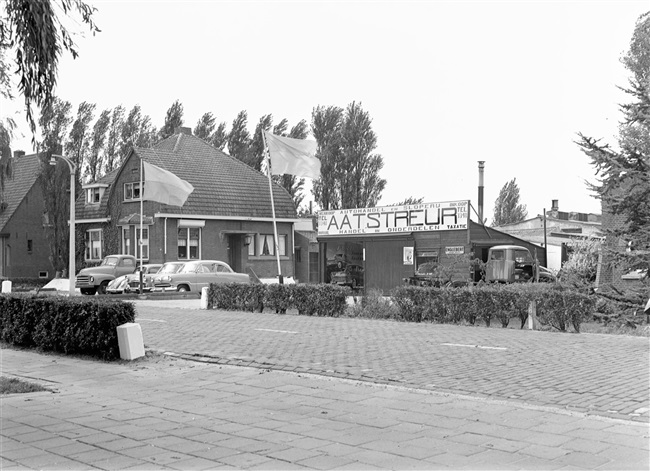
<point x="94" y="195"/>
<point x="94" y="192"/>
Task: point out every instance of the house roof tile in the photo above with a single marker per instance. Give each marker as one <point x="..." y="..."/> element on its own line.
<point x="223" y="185"/>
<point x="26" y="170"/>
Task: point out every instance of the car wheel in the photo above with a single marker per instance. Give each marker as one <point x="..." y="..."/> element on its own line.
<point x="101" y="289"/>
<point x="183" y="289"/>
<point x="87" y="291"/>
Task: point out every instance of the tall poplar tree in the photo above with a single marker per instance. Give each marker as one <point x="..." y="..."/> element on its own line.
<point x="205" y="126"/>
<point x="78" y="146"/>
<point x="173" y="119"/>
<point x="350" y="171"/>
<point x="239" y="139"/>
<point x="507" y="209"/>
<point x="112" y="152"/>
<point x="93" y="169"/>
<point x="54" y="122"/>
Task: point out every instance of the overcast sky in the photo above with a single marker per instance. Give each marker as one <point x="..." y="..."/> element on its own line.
<point x="447" y="83"/>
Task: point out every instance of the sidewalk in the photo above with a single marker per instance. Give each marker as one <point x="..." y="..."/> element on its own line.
<point x="167" y="413"/>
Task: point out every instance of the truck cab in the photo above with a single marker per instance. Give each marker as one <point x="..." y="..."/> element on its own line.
<point x="93" y="280"/>
<point x="510" y="264"/>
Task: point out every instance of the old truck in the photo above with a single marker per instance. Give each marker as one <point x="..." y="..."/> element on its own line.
<point x="93" y="280"/>
<point x="512" y="264"/>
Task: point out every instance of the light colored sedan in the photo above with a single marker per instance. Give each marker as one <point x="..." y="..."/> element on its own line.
<point x="193" y="276"/>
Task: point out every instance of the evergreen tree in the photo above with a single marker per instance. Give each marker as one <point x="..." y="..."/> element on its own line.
<point x="624" y="173"/>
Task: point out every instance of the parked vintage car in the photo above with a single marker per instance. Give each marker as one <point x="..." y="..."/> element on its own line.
<point x="351" y="276"/>
<point x="131" y="283"/>
<point x="93" y="280"/>
<point x="194" y="275"/>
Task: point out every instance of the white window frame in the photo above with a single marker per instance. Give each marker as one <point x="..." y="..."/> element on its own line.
<point x="270" y="245"/>
<point x="145" y="242"/>
<point x="187" y="242"/>
<point x="130" y="190"/>
<point x="94" y="195"/>
<point x="90" y="254"/>
<point x="127" y="249"/>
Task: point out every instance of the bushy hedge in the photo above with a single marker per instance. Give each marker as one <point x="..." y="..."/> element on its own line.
<point x="68" y="325"/>
<point x="556" y="305"/>
<point x="308" y="299"/>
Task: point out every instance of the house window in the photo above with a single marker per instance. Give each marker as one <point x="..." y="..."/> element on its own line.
<point x="94" y="195"/>
<point x="126" y="241"/>
<point x="251" y="245"/>
<point x="94" y="244"/>
<point x="130" y="246"/>
<point x="189" y="243"/>
<point x="144" y="244"/>
<point x="267" y="245"/>
<point x="426" y="260"/>
<point x="132" y="191"/>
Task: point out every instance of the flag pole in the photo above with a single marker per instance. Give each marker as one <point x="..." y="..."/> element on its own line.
<point x="275" y="225"/>
<point x="139" y="239"/>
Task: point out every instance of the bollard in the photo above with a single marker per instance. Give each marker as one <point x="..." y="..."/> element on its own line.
<point x="204" y="298"/>
<point x="6" y="286"/>
<point x="129" y="339"/>
<point x="533" y="322"/>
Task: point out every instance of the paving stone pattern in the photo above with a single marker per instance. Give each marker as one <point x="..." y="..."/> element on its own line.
<point x="178" y="414"/>
<point x="606" y="375"/>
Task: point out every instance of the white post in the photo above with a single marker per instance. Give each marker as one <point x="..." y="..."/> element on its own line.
<point x="71" y="259"/>
<point x="139" y="239"/>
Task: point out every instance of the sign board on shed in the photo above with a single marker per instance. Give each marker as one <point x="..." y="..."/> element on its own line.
<point x="445" y="216"/>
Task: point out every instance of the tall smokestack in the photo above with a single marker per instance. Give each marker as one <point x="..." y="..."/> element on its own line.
<point x="481" y="170"/>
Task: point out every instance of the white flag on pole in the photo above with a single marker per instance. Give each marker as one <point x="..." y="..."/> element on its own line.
<point x="164" y="187"/>
<point x="292" y="156"/>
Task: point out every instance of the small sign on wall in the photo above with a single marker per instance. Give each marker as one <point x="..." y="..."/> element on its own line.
<point x="456" y="250"/>
<point x="408" y="255"/>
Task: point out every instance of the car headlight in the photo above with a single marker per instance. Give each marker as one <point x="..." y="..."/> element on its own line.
<point x="92" y="279"/>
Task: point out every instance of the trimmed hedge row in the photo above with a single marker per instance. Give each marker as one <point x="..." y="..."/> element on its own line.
<point x="556" y="305"/>
<point x="85" y="326"/>
<point x="308" y="299"/>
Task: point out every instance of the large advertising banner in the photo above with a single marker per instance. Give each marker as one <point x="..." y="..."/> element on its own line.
<point x="446" y="216"/>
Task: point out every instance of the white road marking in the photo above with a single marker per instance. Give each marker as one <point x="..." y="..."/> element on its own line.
<point x="278" y="331"/>
<point x="474" y="346"/>
<point x="151" y="320"/>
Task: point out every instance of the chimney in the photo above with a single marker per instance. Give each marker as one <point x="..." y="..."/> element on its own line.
<point x="481" y="170"/>
<point x="18" y="154"/>
<point x="554" y="205"/>
<point x="182" y="130"/>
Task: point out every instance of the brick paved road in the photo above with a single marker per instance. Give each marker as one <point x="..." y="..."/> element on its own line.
<point x="601" y="374"/>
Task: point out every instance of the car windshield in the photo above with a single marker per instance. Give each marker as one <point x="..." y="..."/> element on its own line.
<point x="110" y="261"/>
<point x="170" y="267"/>
<point x="189" y="267"/>
<point x="523" y="256"/>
